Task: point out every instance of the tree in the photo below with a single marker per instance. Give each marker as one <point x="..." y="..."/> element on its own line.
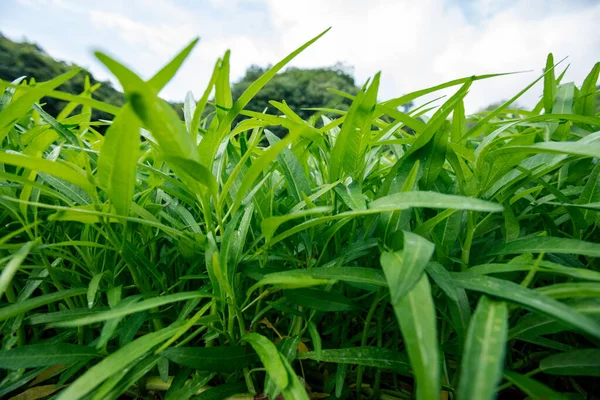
<point x="300" y="89"/>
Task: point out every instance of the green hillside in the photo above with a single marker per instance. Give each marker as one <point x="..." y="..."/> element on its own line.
<point x="31" y="61"/>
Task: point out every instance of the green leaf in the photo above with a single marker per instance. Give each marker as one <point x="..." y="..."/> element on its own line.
<point x="223" y="100"/>
<point x="42" y="355"/>
<point x="446" y="229"/>
<point x="393" y="103"/>
<point x="460" y="309"/>
<point x="582" y="362"/>
<point x="436" y="156"/>
<point x="93" y="289"/>
<point x="571" y="290"/>
<point x="118" y="159"/>
<point x="320" y="300"/>
<point x="270" y="225"/>
<point x="291" y="281"/>
<point x="298" y="184"/>
<point x="288" y="347"/>
<point x="350" y="144"/>
<point x="199" y="109"/>
<point x="544" y="266"/>
<point x="27" y="305"/>
<point x="585" y="103"/>
<point x="546" y="244"/>
<point x="352" y="196"/>
<point x="529" y="299"/>
<point x="459" y="122"/>
<point x="220" y="392"/>
<point x="549" y="84"/>
<point x="532" y="388"/>
<point x="224" y="359"/>
<point x="434" y="124"/>
<point x="432" y="127"/>
<point x="403" y="268"/>
<point x="295" y="390"/>
<point x="427" y="199"/>
<point x="564" y="99"/>
<point x="321" y="276"/>
<point x="511" y="224"/>
<point x="477" y="128"/>
<point x="11" y="268"/>
<point x="19" y="107"/>
<point x="134" y="308"/>
<point x="578" y="149"/>
<point x="367" y="356"/>
<point x="316" y="339"/>
<point x="189" y="388"/>
<point x="189" y="106"/>
<point x="483" y="357"/>
<point x="442" y="278"/>
<point x="155" y="113"/>
<point x="196" y="171"/>
<point x="209" y="148"/>
<point x="64" y="132"/>
<point x="270" y="358"/>
<point x="257" y="85"/>
<point x="54" y="168"/>
<point x="115" y="362"/>
<point x="398" y="201"/>
<point x="536" y="325"/>
<point x="415" y="313"/>
<point x="262" y="162"/>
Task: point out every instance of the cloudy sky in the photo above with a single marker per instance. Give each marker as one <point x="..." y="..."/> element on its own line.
<point x="415" y="43"/>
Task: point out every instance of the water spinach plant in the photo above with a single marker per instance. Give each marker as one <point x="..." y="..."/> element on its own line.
<point x="367" y="253"/>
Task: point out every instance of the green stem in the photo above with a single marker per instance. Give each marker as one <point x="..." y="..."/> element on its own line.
<point x="249" y="381"/>
<point x="213" y="311"/>
<point x="297" y="326"/>
<point x="531" y="274"/>
<point x="377" y="384"/>
<point x="466" y="251"/>
<point x="55" y="280"/>
<point x="509" y="383"/>
<point x="363" y="341"/>
<point x="10" y="296"/>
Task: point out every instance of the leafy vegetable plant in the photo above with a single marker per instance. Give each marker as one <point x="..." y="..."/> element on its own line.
<point x="367" y="253"/>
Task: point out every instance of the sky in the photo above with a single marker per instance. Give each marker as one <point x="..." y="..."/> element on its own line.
<point x="414" y="43"/>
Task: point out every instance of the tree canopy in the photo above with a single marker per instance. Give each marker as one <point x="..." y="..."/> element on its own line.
<point x="300" y="88"/>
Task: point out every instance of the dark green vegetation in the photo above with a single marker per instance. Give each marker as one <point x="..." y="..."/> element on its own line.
<point x="348" y="259"/>
<point x="302" y="89"/>
<point x="29" y="60"/>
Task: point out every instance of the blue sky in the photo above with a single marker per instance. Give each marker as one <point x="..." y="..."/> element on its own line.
<point x="414" y="43"/>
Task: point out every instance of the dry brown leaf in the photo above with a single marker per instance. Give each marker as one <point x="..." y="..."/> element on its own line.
<point x="35" y="393"/>
<point x="46" y="374"/>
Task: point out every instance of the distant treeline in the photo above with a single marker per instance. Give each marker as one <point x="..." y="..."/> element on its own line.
<point x="299" y="88"/>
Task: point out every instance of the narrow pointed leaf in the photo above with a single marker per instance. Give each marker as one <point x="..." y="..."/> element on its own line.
<point x="483" y="358"/>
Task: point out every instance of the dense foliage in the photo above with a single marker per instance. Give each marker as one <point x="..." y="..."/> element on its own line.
<point x="304" y="90"/>
<point x="350" y="259"/>
<point x="29" y="60"/>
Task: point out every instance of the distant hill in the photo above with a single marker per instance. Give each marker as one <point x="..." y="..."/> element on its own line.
<point x="30" y="60"/>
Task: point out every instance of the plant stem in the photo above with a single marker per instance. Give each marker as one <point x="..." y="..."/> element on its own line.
<point x="466" y="251"/>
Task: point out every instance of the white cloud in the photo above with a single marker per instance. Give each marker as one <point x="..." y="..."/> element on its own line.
<point x="420" y="44"/>
<point x="415" y="44"/>
<point x="160" y="39"/>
